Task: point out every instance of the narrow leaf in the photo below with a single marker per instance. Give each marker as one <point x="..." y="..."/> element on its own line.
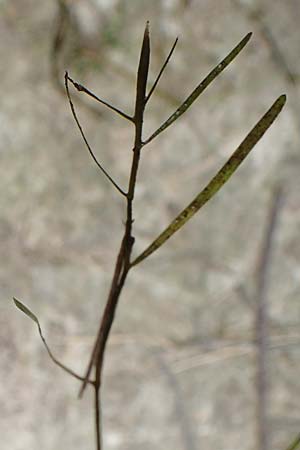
<point x="142" y="75"/>
<point x="162" y="70"/>
<point x="295" y="444"/>
<point x="218" y="180"/>
<point x="201" y="87"/>
<point x="26" y="311"/>
<point x="33" y="317"/>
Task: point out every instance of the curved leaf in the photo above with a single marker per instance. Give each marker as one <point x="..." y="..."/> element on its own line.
<point x="33" y="317"/>
<point x="218" y="180"/>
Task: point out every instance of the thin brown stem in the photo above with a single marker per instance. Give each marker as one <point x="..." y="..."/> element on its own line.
<point x="33" y="317"/>
<point x="98" y="418"/>
<point x="122" y="266"/>
<point x="82" y="88"/>
<point x="67" y="78"/>
<point x="162" y="70"/>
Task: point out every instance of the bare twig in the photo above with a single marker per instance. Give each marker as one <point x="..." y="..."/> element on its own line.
<point x="81" y="88"/>
<point x="33" y="317"/>
<point x="161" y="70"/>
<point x="85" y="139"/>
<point x="261" y="319"/>
<point x="123" y="261"/>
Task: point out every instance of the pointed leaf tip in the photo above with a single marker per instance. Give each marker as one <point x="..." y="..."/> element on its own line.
<point x="221" y="177"/>
<point x="25" y="310"/>
<point x="142" y="75"/>
<point x="213" y="74"/>
<point x="245" y="40"/>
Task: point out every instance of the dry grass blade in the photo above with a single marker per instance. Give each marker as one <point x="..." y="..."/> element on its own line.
<point x="201" y="87"/>
<point x="33" y="317"/>
<point x="218" y="180"/>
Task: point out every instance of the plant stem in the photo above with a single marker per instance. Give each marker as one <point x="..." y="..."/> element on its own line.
<point x="122" y="266"/>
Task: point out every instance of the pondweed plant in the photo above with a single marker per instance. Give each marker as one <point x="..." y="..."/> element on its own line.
<point x="125" y="262"/>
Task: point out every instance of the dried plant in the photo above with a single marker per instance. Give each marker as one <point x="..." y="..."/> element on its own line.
<point x="125" y="263"/>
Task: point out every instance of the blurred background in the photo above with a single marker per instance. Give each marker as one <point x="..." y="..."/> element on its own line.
<point x="204" y="351"/>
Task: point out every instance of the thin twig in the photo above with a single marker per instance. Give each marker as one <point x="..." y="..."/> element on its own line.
<point x="98" y="423"/>
<point x="33" y="317"/>
<point x="122" y="266"/>
<point x="81" y="88"/>
<point x="86" y="141"/>
<point x="161" y="71"/>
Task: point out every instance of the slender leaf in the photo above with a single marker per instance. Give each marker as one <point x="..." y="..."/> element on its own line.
<point x="218" y="180"/>
<point x="33" y="317"/>
<point x="26" y="311"/>
<point x="201" y="87"/>
<point x="162" y="70"/>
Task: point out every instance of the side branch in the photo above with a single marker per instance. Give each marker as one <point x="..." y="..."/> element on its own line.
<point x="81" y="88"/>
<point x="161" y="71"/>
<point x="86" y="141"/>
<point x="33" y="317"/>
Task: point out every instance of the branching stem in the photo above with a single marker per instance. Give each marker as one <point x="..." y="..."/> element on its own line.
<point x="124" y="263"/>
